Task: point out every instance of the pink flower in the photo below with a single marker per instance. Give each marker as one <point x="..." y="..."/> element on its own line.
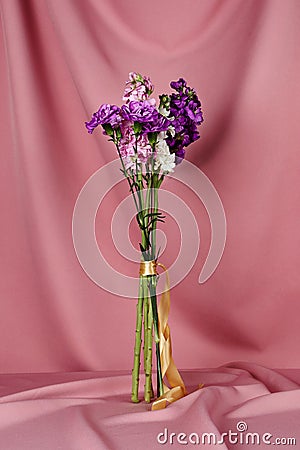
<point x="144" y="148"/>
<point x="128" y="143"/>
<point x="137" y="88"/>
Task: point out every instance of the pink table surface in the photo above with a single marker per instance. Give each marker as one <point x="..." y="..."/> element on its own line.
<point x="92" y="410"/>
<point x="59" y="60"/>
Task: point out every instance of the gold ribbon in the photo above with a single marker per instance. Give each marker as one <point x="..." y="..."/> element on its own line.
<point x="177" y="388"/>
<point x="148" y="268"/>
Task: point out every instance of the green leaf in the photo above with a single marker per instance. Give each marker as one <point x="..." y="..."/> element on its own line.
<point x="152" y="138"/>
<point x="139" y="77"/>
<point x="118" y="133"/>
<point x="108" y="129"/>
<point x="137" y="127"/>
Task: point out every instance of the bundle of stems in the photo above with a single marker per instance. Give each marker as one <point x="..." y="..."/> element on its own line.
<point x="144" y="186"/>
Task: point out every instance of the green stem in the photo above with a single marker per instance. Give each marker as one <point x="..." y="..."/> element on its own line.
<point x="148" y="211"/>
<point x="155" y="210"/>
<point x="125" y="172"/>
<point x="138" y="343"/>
<point x="152" y="286"/>
<point x="147" y="286"/>
<point x="152" y="289"/>
<point x="148" y="317"/>
<point x="148" y="346"/>
<point x="146" y="313"/>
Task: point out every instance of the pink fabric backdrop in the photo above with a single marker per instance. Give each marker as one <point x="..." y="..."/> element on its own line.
<point x="59" y="61"/>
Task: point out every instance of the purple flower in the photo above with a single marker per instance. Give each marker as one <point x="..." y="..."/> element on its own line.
<point x="185" y="115"/>
<point x="180" y="122"/>
<point x="193" y="109"/>
<point x="179" y="156"/>
<point x="178" y="85"/>
<point x="106" y="114"/>
<point x="141" y="112"/>
<point x="178" y="101"/>
<point x="109" y="114"/>
<point x="92" y="124"/>
<point x="160" y="123"/>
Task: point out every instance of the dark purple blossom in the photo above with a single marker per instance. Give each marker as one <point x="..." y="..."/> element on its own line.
<point x="140" y="111"/>
<point x="178" y="101"/>
<point x="178" y="85"/>
<point x="185" y="115"/>
<point x="179" y="156"/>
<point x="180" y="123"/>
<point x="194" y="111"/>
<point x="106" y="114"/>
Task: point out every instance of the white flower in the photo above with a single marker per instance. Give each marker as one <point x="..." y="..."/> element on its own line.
<point x="161" y="137"/>
<point x="164" y="160"/>
<point x="171" y="130"/>
<point x="163" y="111"/>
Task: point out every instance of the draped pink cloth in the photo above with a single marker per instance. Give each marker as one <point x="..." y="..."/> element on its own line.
<point x="59" y="61"/>
<point x="92" y="411"/>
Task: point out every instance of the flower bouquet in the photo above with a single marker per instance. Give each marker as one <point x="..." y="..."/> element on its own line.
<point x="150" y="140"/>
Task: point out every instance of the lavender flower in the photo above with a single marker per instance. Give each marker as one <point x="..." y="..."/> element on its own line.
<point x="106" y="114"/>
<point x="160" y="123"/>
<point x="141" y="111"/>
<point x="93" y="123"/>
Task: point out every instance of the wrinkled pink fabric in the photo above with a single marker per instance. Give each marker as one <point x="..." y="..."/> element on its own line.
<point x="92" y="411"/>
<point x="59" y="61"/>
